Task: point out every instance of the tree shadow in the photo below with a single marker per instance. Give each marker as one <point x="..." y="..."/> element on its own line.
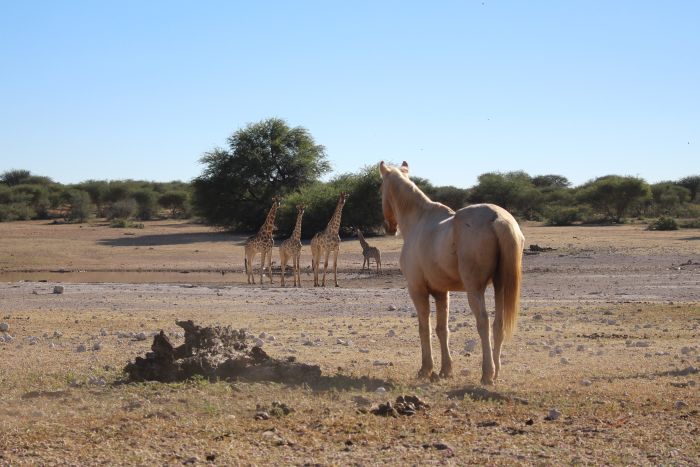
<point x="690" y="238"/>
<point x="171" y="239"/>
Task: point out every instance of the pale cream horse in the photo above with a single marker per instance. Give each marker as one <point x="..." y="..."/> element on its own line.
<point x="445" y="250"/>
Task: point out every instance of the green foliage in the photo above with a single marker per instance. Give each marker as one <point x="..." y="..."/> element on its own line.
<point x="125" y="224"/>
<point x="263" y="160"/>
<point x="124" y="209"/>
<point x="34" y="196"/>
<point x="513" y="191"/>
<point x="14" y="177"/>
<point x="692" y="184"/>
<point x="664" y="223"/>
<point x="559" y="215"/>
<point x="614" y="196"/>
<point x="147" y="202"/>
<point x="175" y="201"/>
<point x="669" y="197"/>
<point x="78" y="205"/>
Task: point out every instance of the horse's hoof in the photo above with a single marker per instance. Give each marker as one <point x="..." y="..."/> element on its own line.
<point x="487" y="381"/>
<point x="425" y="373"/>
<point x="434" y="378"/>
<point x="446" y="373"/>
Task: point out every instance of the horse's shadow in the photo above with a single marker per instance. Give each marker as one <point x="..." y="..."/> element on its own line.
<point x="479" y="393"/>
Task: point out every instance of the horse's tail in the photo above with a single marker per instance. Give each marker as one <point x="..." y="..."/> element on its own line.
<point x="507" y="282"/>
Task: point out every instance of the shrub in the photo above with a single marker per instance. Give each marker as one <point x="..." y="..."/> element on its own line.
<point x="125" y="224"/>
<point x="79" y="206"/>
<point x="123" y="209"/>
<point x="147" y="203"/>
<point x="664" y="223"/>
<point x="559" y="215"/>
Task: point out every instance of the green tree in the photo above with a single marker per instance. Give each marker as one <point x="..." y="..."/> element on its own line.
<point x="513" y="191"/>
<point x="78" y="205"/>
<point x="15" y="177"/>
<point x="147" y="201"/>
<point x="613" y="196"/>
<point x="175" y="201"/>
<point x="692" y="184"/>
<point x="263" y="160"/>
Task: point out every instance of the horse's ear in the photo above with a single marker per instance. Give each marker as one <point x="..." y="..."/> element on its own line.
<point x="404" y="167"/>
<point x="383" y="169"/>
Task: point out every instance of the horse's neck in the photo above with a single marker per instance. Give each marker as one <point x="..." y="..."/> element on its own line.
<point x="412" y="205"/>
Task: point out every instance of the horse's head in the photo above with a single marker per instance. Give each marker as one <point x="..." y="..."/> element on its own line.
<point x="389" y="175"/>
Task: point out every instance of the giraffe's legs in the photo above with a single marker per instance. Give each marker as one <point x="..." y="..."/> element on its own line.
<point x="262" y="265"/>
<point x="325" y="267"/>
<point x="269" y="265"/>
<point x="283" y="265"/>
<point x="335" y="267"/>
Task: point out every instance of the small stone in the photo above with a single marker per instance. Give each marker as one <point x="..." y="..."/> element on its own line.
<point x="547" y="328"/>
<point x="686" y="350"/>
<point x="363" y="350"/>
<point x="258" y="342"/>
<point x="340" y="341"/>
<point x="57" y="334"/>
<point x="381" y="363"/>
<point x="642" y="344"/>
<point x="564" y="361"/>
<point x="380" y="390"/>
<point x="465" y="372"/>
<point x="261" y="415"/>
<point x="271" y="338"/>
<point x="470" y="345"/>
<point x="680" y="405"/>
<point x="262" y="335"/>
<point x="553" y="415"/>
<point x="4" y="327"/>
<point x="58" y="289"/>
<point x="103" y="332"/>
<point x="97" y="346"/>
<point x="586" y="382"/>
<point x="392" y="308"/>
<point x="141" y="336"/>
<point x="81" y="348"/>
<point x="537" y="317"/>
<point x="391" y="333"/>
<point x="309" y="343"/>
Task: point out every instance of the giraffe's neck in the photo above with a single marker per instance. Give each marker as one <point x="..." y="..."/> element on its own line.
<point x="334" y="224"/>
<point x="296" y="235"/>
<point x="269" y="225"/>
<point x="363" y="242"/>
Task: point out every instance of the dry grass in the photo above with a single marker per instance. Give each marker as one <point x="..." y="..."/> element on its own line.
<point x="602" y="291"/>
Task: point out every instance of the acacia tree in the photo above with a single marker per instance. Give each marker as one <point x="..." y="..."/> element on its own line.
<point x="263" y="160"/>
<point x="613" y="195"/>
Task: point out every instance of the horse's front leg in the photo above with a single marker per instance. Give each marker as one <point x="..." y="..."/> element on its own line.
<point x="422" y="303"/>
<point x="442" y="305"/>
<point x="478" y="306"/>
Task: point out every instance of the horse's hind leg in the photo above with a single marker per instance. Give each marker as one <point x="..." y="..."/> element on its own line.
<point x="498" y="333"/>
<point x="442" y="306"/>
<point x="478" y="306"/>
<point x="422" y="303"/>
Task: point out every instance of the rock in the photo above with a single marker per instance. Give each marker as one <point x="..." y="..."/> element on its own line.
<point x="642" y="344"/>
<point x="580" y="348"/>
<point x="381" y="363"/>
<point x="363" y="350"/>
<point x="258" y="342"/>
<point x="548" y="328"/>
<point x="586" y="382"/>
<point x="309" y="343"/>
<point x="470" y="345"/>
<point x="4" y="327"/>
<point x="57" y="334"/>
<point x="680" y="405"/>
<point x="271" y="338"/>
<point x="33" y="340"/>
<point x="340" y="341"/>
<point x="81" y="348"/>
<point x="103" y="332"/>
<point x="262" y="335"/>
<point x="262" y="415"/>
<point x="380" y="390"/>
<point x="686" y="350"/>
<point x="362" y="401"/>
<point x="141" y="336"/>
<point x="537" y="317"/>
<point x="553" y="415"/>
<point x="392" y="307"/>
<point x="564" y="361"/>
<point x="97" y="346"/>
<point x="58" y="289"/>
<point x="391" y="333"/>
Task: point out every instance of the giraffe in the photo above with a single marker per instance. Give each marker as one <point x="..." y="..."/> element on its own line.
<point x="291" y="248"/>
<point x="327" y="241"/>
<point x="261" y="242"/>
<point x="369" y="252"/>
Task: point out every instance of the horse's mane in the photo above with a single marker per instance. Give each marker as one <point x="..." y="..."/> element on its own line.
<point x="408" y="196"/>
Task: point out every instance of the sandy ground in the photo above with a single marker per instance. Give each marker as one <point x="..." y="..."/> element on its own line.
<point x="608" y="335"/>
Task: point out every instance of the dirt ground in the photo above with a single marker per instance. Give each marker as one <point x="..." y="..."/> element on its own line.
<point x="607" y="336"/>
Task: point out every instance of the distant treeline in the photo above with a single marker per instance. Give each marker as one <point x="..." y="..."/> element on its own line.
<point x="25" y="196"/>
<point x="548" y="198"/>
<point x="269" y="158"/>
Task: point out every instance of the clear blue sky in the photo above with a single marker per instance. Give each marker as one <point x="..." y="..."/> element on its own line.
<point x="141" y="89"/>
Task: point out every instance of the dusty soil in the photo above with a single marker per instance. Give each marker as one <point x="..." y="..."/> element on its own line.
<point x="608" y="336"/>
